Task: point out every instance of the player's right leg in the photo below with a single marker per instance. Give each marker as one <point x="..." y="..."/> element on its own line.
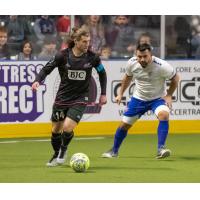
<point x="120" y="135"/>
<point x="133" y="112"/>
<point x="57" y="118"/>
<point x="55" y="142"/>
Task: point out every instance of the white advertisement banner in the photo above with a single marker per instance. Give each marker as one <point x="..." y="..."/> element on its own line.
<point x="18" y="103"/>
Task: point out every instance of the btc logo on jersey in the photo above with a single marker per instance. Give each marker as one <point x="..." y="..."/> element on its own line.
<point x="76" y="75"/>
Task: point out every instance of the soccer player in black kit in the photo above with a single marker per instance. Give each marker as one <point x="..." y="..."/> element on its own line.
<point x="75" y="66"/>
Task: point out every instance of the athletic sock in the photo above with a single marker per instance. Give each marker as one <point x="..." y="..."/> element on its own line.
<point x="66" y="139"/>
<point x="119" y="137"/>
<point x="56" y="142"/>
<point x="163" y="128"/>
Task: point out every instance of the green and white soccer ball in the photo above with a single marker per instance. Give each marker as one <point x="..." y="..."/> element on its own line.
<point x="79" y="162"/>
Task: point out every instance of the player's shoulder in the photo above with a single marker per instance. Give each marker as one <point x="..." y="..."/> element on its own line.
<point x="159" y="62"/>
<point x="65" y="51"/>
<point x="91" y="54"/>
<point x="132" y="61"/>
<point x="61" y="54"/>
<point x="93" y="58"/>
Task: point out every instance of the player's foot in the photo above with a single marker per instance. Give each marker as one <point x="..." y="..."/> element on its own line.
<point x="109" y="154"/>
<point x="61" y="157"/>
<point x="53" y="161"/>
<point x="163" y="153"/>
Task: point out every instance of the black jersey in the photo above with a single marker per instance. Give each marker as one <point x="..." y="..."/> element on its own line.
<point x="75" y="73"/>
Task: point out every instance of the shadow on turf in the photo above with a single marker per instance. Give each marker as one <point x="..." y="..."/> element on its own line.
<point x="147" y="158"/>
<point x="130" y="168"/>
<point x="103" y="167"/>
<point x="189" y="157"/>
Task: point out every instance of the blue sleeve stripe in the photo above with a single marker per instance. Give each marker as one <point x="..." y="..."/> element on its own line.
<point x="100" y="68"/>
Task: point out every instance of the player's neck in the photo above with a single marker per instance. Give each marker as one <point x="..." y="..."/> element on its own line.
<point x="77" y="52"/>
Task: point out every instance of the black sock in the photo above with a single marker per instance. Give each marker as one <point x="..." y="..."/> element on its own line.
<point x="56" y="141"/>
<point x="66" y="139"/>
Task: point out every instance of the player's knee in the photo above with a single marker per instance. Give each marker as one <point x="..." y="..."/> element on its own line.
<point x="56" y="128"/>
<point x="163" y="115"/>
<point x="69" y="127"/>
<point x="125" y="126"/>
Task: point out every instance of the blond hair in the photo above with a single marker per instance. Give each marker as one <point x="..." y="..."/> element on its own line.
<point x="76" y="34"/>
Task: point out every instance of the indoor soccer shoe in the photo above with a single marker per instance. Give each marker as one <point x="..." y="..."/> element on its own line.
<point x="61" y="157"/>
<point x="109" y="154"/>
<point x="163" y="153"/>
<point x="53" y="161"/>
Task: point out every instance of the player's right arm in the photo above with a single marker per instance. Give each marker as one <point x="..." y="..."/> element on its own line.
<point x="124" y="85"/>
<point x="128" y="77"/>
<point x="35" y="85"/>
<point x="47" y="69"/>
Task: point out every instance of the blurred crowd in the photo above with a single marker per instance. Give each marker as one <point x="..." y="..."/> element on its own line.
<point x="40" y="37"/>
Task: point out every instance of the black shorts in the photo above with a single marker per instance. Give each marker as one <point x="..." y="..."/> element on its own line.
<point x="74" y="112"/>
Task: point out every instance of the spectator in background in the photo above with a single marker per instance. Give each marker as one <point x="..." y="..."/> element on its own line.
<point x="63" y="26"/>
<point x="105" y="52"/>
<point x="146" y="38"/>
<point x="4" y="51"/>
<point x="120" y="37"/>
<point x="48" y="50"/>
<point x="195" y="41"/>
<point x="64" y="43"/>
<point x="63" y="30"/>
<point x="183" y="30"/>
<point x="16" y="33"/>
<point x="94" y="25"/>
<point x="44" y="27"/>
<point x="26" y="52"/>
<point x="15" y="29"/>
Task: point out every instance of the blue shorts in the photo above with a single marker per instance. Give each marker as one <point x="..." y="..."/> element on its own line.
<point x="136" y="108"/>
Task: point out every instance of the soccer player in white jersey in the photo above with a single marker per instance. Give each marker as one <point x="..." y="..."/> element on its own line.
<point x="150" y="74"/>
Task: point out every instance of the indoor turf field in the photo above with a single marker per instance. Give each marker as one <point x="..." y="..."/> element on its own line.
<point x="23" y="161"/>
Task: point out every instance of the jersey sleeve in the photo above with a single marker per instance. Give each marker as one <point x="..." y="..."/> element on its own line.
<point x="49" y="67"/>
<point x="168" y="71"/>
<point x="102" y="74"/>
<point x="129" y="67"/>
<point x="98" y="65"/>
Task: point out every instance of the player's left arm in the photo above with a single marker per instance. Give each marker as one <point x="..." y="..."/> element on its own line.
<point x="102" y="79"/>
<point x="172" y="87"/>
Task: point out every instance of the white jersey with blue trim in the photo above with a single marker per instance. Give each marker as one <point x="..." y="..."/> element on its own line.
<point x="150" y="82"/>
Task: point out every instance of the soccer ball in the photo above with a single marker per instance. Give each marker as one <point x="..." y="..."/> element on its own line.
<point x="79" y="162"/>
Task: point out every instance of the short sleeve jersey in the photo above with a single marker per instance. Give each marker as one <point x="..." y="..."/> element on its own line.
<point x="150" y="82"/>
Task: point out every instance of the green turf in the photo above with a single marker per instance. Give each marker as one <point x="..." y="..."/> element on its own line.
<point x="25" y="161"/>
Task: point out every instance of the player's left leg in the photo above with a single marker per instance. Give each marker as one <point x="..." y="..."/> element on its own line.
<point x="74" y="115"/>
<point x="162" y="113"/>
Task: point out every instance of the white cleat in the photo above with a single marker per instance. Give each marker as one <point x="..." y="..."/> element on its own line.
<point x="61" y="157"/>
<point x="60" y="161"/>
<point x="52" y="163"/>
<point x="163" y="153"/>
<point x="109" y="154"/>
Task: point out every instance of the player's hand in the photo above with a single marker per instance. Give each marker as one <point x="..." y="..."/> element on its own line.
<point x="118" y="99"/>
<point x="35" y="85"/>
<point x="168" y="101"/>
<point x="102" y="100"/>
